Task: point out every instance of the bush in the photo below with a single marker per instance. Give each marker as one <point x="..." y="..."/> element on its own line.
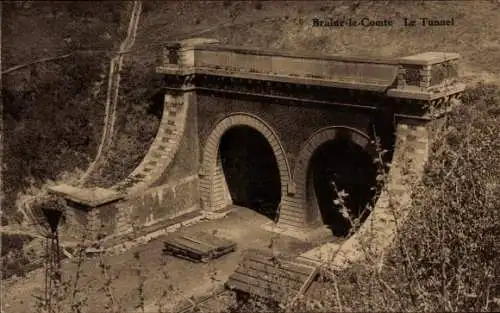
<point x="53" y="113"/>
<point x="446" y="255"/>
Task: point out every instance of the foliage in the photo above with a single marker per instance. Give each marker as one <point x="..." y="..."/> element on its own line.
<point x="445" y="256"/>
<point x="136" y="124"/>
<point x="69" y="92"/>
<point x="51" y="118"/>
<point x="452" y="238"/>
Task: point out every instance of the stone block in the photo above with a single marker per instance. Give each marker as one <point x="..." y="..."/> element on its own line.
<point x="108" y="218"/>
<point x="186" y="194"/>
<point x="166" y="203"/>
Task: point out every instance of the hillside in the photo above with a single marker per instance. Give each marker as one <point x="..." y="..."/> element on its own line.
<point x="72" y="89"/>
<point x="53" y="111"/>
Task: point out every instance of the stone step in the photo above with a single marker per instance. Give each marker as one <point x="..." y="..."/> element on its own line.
<point x="155" y="155"/>
<point x="293" y="210"/>
<point x="167" y="155"/>
<point x="298" y="223"/>
<point x="291" y="221"/>
<point x="293" y="214"/>
<point x="168" y="131"/>
<point x="161" y="151"/>
<point x="169" y="139"/>
<point x="291" y="228"/>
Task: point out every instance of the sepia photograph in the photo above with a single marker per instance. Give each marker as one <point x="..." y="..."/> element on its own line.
<point x="250" y="156"/>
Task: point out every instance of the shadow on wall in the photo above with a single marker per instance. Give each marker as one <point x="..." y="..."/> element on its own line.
<point x="251" y="170"/>
<point x="342" y="165"/>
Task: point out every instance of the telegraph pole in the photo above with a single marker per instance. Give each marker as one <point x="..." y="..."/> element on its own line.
<point x="53" y="255"/>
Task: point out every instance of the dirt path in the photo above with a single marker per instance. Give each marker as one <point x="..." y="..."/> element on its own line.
<point x="112" y="93"/>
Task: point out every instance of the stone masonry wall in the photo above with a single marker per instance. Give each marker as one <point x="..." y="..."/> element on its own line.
<point x="173" y="194"/>
<point x="186" y="160"/>
<point x="73" y="223"/>
<point x="159" y="204"/>
<point x="293" y="123"/>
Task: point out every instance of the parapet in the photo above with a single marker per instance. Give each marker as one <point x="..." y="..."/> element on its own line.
<point x="424" y="76"/>
<point x="89" y="197"/>
<point x="427" y="76"/>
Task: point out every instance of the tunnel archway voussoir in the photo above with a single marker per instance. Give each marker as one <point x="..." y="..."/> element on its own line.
<point x="300" y="173"/>
<point x="210" y="153"/>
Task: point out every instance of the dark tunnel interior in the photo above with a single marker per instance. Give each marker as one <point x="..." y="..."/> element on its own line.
<point x="351" y="169"/>
<point x="251" y="170"/>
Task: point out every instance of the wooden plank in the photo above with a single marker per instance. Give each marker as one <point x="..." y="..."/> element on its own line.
<point x="199" y="246"/>
<point x="183" y="253"/>
<point x="266" y="278"/>
<point x="219" y="245"/>
<point x="273" y="269"/>
<point x="186" y="252"/>
<point x="251" y="289"/>
<point x="306" y="284"/>
<point x="203" y="248"/>
<point x="183" y="245"/>
<point x="239" y="286"/>
<point x="231" y="247"/>
<point x="197" y="241"/>
<point x="271" y="287"/>
<point x="214" y="240"/>
<point x="300" y="269"/>
<point x="190" y="304"/>
<point x="202" y="243"/>
<point x="173" y="242"/>
<point x="250" y="265"/>
<point x="180" y="246"/>
<point x="258" y="253"/>
<point x="257" y="274"/>
<point x="202" y="237"/>
<point x="220" y="252"/>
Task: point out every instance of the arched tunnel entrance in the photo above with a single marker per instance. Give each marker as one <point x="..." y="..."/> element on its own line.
<point x="338" y="165"/>
<point x="251" y="170"/>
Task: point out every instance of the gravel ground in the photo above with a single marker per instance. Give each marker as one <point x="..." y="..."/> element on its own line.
<point x="167" y="280"/>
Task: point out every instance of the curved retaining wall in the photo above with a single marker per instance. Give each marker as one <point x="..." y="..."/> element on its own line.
<point x="147" y="196"/>
<point x="162" y="150"/>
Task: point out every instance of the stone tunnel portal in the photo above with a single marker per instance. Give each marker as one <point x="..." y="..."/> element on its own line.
<point x="250" y="170"/>
<point x="336" y="165"/>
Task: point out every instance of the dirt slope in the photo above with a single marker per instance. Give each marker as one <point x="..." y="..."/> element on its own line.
<point x="288" y="25"/>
